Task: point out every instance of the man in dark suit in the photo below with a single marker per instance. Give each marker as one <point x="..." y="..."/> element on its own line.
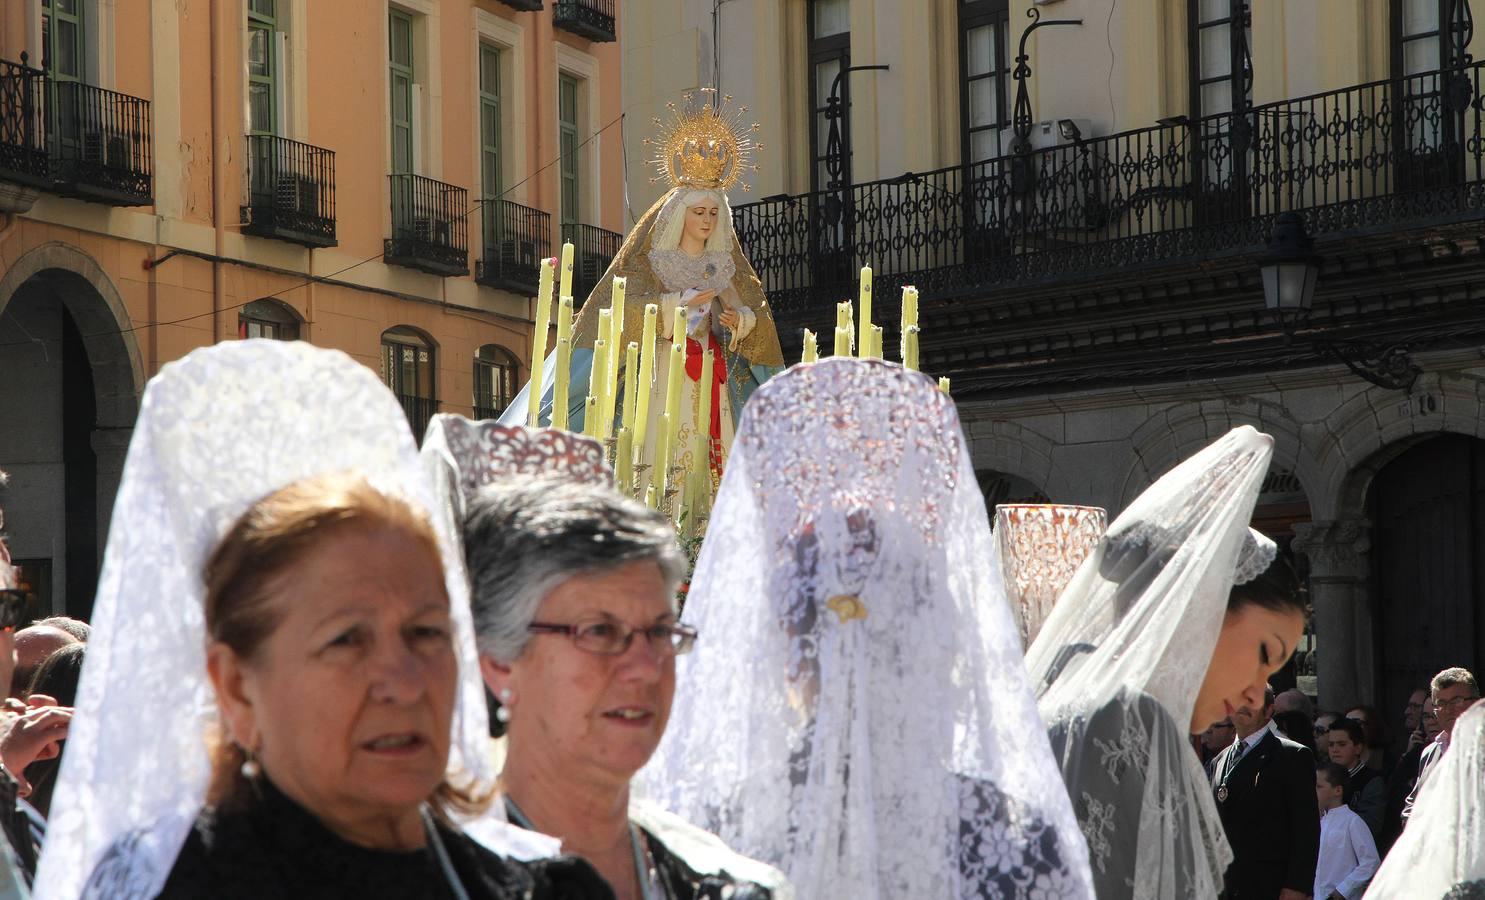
<point x="1265" y="789"/>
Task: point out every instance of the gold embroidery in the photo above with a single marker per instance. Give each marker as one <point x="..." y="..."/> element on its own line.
<point x="847" y="607"/>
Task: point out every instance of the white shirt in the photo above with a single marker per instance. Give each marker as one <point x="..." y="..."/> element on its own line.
<point x="1348" y="855"/>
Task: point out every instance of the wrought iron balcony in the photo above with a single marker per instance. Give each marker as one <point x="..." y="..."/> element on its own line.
<point x="419" y="411"/>
<point x="593" y="250"/>
<point x="517" y="239"/>
<point x="487" y="412"/>
<point x="291" y="191"/>
<point x="429" y="226"/>
<point x="524" y="5"/>
<point x="591" y="19"/>
<point x="1379" y="157"/>
<point x="23" y="153"/>
<point x="101" y="146"/>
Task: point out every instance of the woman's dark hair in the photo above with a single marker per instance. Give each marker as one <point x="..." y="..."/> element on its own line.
<point x="1376" y="732"/>
<point x="56" y="677"/>
<point x="1277" y="590"/>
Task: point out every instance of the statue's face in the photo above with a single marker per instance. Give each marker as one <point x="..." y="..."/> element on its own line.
<point x="701" y="221"/>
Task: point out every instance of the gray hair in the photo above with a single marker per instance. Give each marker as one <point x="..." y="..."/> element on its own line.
<point x="1450" y="677"/>
<point x="75" y="627"/>
<point x="522" y="538"/>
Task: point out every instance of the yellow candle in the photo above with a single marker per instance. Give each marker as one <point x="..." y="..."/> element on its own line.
<point x="539" y="345"/>
<point x="876" y="342"/>
<point x="566" y="279"/>
<point x="564" y="318"/>
<point x="704" y="411"/>
<point x="910" y="347"/>
<point x="673" y="389"/>
<point x="650" y="497"/>
<point x="811" y="347"/>
<point x="865" y="312"/>
<point x="943" y="384"/>
<point x="594" y="426"/>
<point x="616" y="343"/>
<point x="590" y="416"/>
<point x="842" y="341"/>
<point x="646" y="376"/>
<point x="660" y="468"/>
<point x="624" y="461"/>
<point x="909" y="306"/>
<point x="632" y="388"/>
<point x="843" y="314"/>
<point x="559" y="390"/>
<point x="599" y="374"/>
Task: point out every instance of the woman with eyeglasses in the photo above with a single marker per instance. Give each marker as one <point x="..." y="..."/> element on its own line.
<point x="573" y="588"/>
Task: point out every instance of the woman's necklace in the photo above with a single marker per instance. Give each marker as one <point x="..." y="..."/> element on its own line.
<point x="455" y="886"/>
<point x="650" y="887"/>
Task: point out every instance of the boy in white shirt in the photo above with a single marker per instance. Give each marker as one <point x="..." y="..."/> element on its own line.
<point x="1348" y="853"/>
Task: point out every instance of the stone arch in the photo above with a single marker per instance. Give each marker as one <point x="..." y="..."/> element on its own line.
<point x="113" y="350"/>
<point x="1179" y="431"/>
<point x="1013" y="449"/>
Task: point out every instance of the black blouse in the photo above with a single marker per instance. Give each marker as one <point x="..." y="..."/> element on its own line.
<point x="276" y="848"/>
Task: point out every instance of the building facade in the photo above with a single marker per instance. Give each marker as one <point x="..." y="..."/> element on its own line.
<point x="1090" y="227"/>
<point x="380" y="178"/>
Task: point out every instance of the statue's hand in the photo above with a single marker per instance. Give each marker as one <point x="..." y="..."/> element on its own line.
<point x="730" y="318"/>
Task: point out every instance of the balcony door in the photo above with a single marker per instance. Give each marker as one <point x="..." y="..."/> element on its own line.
<point x="830" y="204"/>
<point x="64" y="56"/>
<point x="1221" y="85"/>
<point x="1429" y="41"/>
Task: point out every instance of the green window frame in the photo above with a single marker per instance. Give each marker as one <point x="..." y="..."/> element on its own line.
<point x="64" y="57"/>
<point x="263" y="87"/>
<point x="567" y="115"/>
<point x="400" y="64"/>
<point x="490" y="155"/>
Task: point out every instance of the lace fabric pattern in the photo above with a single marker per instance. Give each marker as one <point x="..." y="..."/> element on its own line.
<point x="1441" y="854"/>
<point x="1118" y="664"/>
<point x="856" y="712"/>
<point x="484" y="451"/>
<point x="678" y="270"/>
<point x="217" y="431"/>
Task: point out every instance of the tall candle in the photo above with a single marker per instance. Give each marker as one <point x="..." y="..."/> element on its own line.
<point x="590" y="416"/>
<point x="943" y="384"/>
<point x="910" y="347"/>
<point x="865" y="311"/>
<point x="842" y="341"/>
<point x="539" y="344"/>
<point x="909" y="306"/>
<point x="673" y="389"/>
<point x="559" y="390"/>
<point x="616" y="344"/>
<point x="566" y="271"/>
<point x="650" y="496"/>
<point x="564" y="318"/>
<point x="704" y="411"/>
<point x="624" y="460"/>
<point x="660" y="471"/>
<point x="646" y="376"/>
<point x="811" y="347"/>
<point x="594" y="426"/>
<point x="632" y="388"/>
<point x="598" y="376"/>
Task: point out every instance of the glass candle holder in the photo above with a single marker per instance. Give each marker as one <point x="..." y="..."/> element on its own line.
<point x="1041" y="545"/>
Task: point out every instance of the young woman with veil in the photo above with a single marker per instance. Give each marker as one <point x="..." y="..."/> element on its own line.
<point x="1118" y="667"/>
<point x="1441" y="854"/>
<point x="229" y="438"/>
<point x="861" y="718"/>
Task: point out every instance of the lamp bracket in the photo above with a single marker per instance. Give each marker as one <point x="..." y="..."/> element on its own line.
<point x="1388" y="366"/>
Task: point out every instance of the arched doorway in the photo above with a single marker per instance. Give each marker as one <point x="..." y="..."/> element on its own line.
<point x="1427" y="508"/>
<point x="68" y="400"/>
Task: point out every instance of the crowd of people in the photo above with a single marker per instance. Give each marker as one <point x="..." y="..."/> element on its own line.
<point x="327" y="663"/>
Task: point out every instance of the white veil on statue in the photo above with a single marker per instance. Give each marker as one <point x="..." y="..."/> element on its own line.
<point x="1441" y="854"/>
<point x="856" y="711"/>
<point x="1119" y="662"/>
<point x="217" y="431"/>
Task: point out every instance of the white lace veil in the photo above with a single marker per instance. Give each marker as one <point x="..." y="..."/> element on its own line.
<point x="856" y="711"/>
<point x="217" y="431"/>
<point x="1441" y="854"/>
<point x="1118" y="664"/>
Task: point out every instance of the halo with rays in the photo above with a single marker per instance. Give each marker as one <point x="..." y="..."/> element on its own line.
<point x="705" y="144"/>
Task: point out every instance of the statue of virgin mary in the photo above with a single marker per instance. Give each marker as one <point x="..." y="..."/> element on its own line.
<point x="683" y="252"/>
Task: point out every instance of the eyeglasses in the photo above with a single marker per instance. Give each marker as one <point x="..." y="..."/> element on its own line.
<point x="609" y="638"/>
<point x="1442" y="705"/>
<point x="1321" y="729"/>
<point x="12" y="608"/>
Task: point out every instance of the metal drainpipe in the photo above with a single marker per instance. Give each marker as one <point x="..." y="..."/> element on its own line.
<point x="218" y="129"/>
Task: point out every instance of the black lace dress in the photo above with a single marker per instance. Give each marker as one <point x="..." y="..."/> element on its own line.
<point x="277" y="849"/>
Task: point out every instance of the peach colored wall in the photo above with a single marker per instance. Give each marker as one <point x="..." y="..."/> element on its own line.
<point x="347" y="112"/>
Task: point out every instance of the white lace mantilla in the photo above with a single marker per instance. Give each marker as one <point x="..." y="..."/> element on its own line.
<point x="217" y="430"/>
<point x="856" y="711"/>
<point x="678" y="270"/>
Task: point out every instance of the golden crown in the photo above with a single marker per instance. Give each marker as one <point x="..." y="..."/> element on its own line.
<point x="706" y="146"/>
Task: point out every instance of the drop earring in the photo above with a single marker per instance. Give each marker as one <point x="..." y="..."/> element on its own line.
<point x="250" y="768"/>
<point x="502" y="715"/>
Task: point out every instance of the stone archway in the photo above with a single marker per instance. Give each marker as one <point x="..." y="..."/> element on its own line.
<point x="69" y="402"/>
<point x="1014" y="453"/>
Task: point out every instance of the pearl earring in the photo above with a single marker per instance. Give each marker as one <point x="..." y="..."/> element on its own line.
<point x="250" y="767"/>
<point x="502" y="715"/>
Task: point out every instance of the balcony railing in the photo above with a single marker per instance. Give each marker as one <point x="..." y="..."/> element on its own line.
<point x="593" y="250"/>
<point x="291" y="191"/>
<point x="101" y="144"/>
<point x="23" y="153"/>
<point x="591" y="19"/>
<point x="429" y="226"/>
<point x="517" y="239"/>
<point x="419" y="411"/>
<point x="1375" y="156"/>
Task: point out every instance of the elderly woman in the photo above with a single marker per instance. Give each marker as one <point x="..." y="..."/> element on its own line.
<point x="573" y="591"/>
<point x="281" y="698"/>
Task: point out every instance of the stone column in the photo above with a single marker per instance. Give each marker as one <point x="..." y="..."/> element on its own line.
<point x="1340" y="590"/>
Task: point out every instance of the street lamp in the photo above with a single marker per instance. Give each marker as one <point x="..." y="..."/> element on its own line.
<point x="1290" y="270"/>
